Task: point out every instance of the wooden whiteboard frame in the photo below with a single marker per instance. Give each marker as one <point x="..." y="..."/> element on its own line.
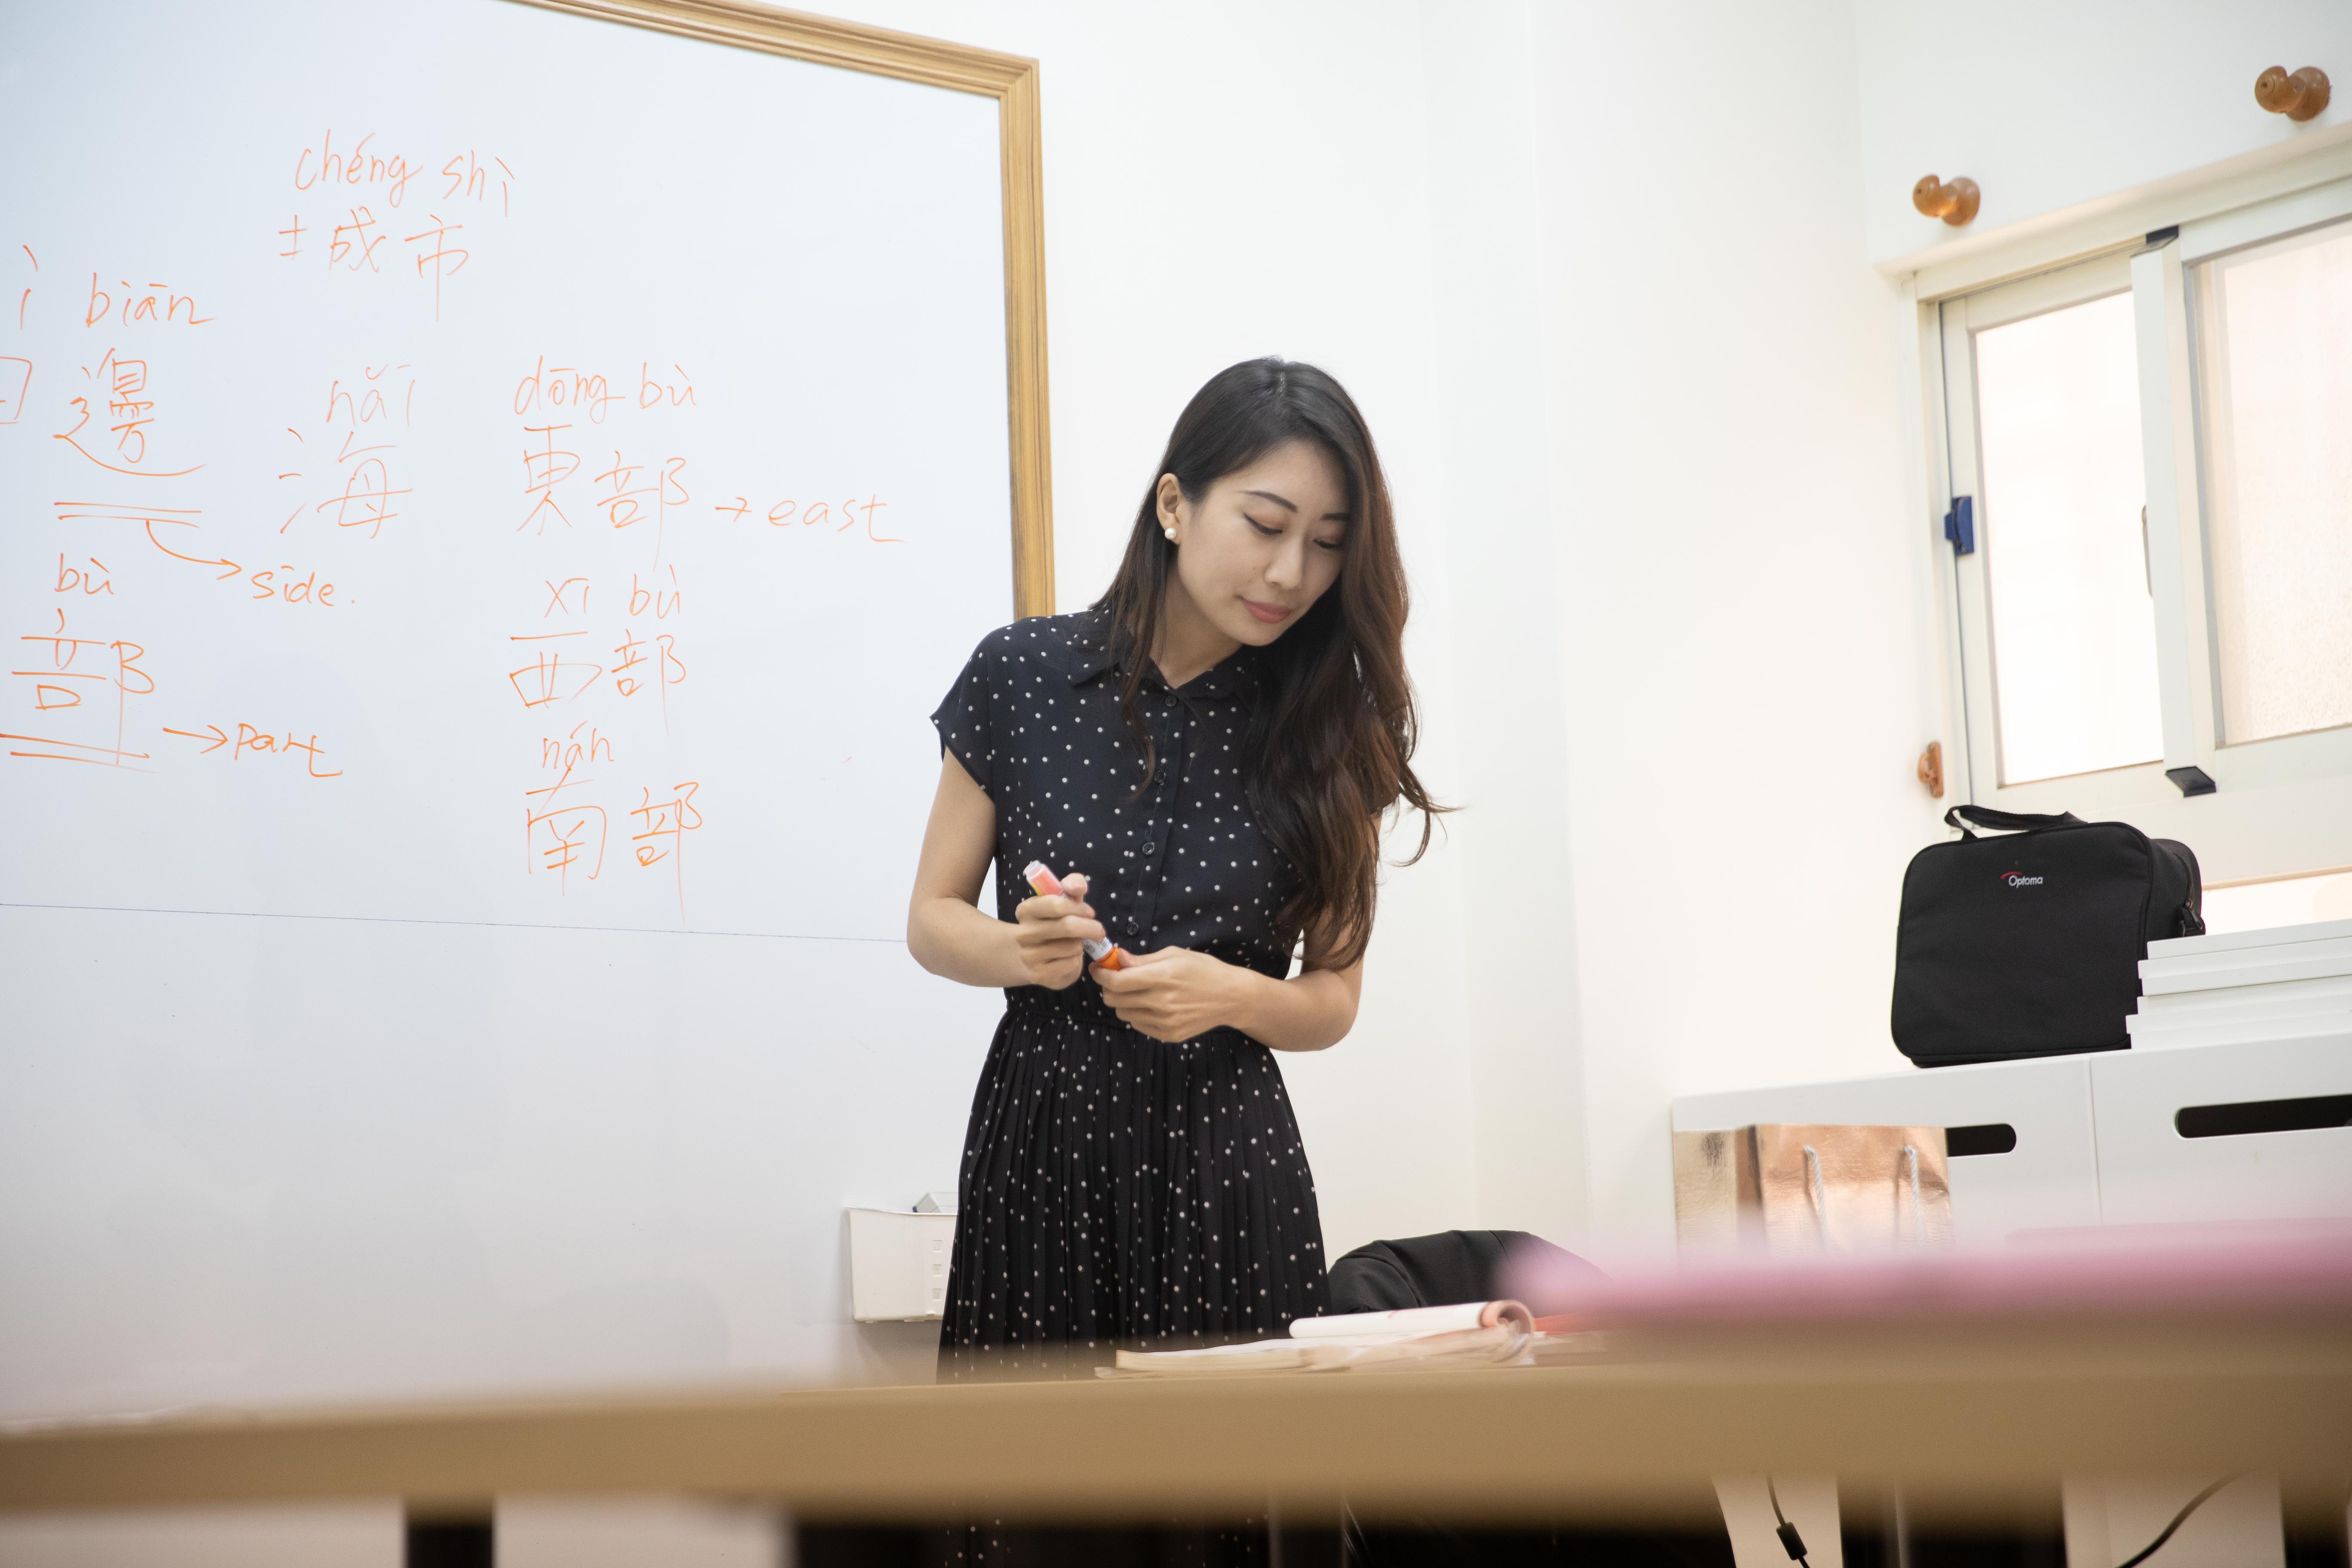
<point x="1011" y="80"/>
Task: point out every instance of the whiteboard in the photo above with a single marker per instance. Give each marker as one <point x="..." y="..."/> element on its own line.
<point x="494" y="465"/>
<point x="487" y="500"/>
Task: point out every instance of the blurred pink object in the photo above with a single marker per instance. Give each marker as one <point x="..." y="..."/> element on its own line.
<point x="2284" y="1269"/>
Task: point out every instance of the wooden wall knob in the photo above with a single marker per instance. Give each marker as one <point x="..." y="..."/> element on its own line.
<point x="2298" y="97"/>
<point x="1954" y="202"/>
<point x="1931" y="768"/>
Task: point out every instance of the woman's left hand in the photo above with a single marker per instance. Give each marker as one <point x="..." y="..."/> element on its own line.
<point x="1172" y="995"/>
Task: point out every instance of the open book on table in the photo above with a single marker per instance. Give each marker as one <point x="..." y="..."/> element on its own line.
<point x="1473" y="1333"/>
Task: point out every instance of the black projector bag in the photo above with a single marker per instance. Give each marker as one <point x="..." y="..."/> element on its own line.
<point x="2029" y="945"/>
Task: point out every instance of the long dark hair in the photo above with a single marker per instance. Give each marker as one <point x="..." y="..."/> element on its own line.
<point x="1330" y="745"/>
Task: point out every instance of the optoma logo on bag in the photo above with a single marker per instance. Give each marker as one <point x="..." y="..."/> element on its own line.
<point x="2020" y="880"/>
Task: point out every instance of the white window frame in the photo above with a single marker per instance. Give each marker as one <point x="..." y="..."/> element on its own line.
<point x="2281" y="805"/>
<point x="2322" y="753"/>
<point x="2103" y="793"/>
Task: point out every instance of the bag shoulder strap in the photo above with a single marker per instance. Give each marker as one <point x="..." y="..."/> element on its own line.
<point x="2007" y="821"/>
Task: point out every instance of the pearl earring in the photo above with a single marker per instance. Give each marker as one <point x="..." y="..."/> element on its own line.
<point x="1171" y="533"/>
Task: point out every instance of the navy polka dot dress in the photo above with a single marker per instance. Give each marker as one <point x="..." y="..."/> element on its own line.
<point x="1117" y="1190"/>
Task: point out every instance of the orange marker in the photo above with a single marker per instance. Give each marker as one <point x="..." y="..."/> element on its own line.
<point x="1045" y="885"/>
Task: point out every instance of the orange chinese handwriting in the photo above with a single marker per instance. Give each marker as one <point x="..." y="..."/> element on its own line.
<point x="67" y="436"/>
<point x="358" y="179"/>
<point x="156" y="304"/>
<point x="75" y="670"/>
<point x="558" y="837"/>
<point x="555" y="833"/>
<point x="626" y="503"/>
<point x="16" y="377"/>
<point x="261" y="742"/>
<point x="542" y="471"/>
<point x="557" y="595"/>
<point x="362" y="411"/>
<point x="547" y="678"/>
<point x="358" y="167"/>
<point x="563" y="386"/>
<point x="95" y="578"/>
<point x="626" y="684"/>
<point x="448" y="261"/>
<point x="623" y="506"/>
<point x="132" y="413"/>
<point x="668" y="669"/>
<point x="670" y="820"/>
<point x="363" y="503"/>
<point x="127" y="656"/>
<point x="567" y="751"/>
<point x="65" y="652"/>
<point x="109" y="511"/>
<point x="354" y="244"/>
<point x="80" y="752"/>
<point x="132" y="409"/>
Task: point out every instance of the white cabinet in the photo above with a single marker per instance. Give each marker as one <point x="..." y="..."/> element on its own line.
<point x="2150" y="1174"/>
<point x="2098" y="1136"/>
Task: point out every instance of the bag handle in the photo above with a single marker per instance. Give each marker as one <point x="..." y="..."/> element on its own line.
<point x="2007" y="821"/>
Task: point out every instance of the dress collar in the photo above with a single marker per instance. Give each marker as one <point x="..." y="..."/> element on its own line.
<point x="1237" y="672"/>
<point x="1089" y="656"/>
<point x="1089" y="647"/>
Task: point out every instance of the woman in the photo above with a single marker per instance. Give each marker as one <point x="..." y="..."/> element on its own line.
<point x="1204" y="756"/>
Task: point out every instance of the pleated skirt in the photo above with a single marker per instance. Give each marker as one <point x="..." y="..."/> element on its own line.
<point x="1120" y="1192"/>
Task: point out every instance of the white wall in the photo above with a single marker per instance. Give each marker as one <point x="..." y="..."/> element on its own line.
<point x="1746" y="642"/>
<point x="1500" y="515"/>
<point x="2045" y="106"/>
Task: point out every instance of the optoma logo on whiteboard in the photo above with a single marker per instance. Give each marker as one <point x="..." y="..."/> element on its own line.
<point x="2020" y="880"/>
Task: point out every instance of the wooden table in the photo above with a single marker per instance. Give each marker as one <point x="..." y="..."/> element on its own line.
<point x="1972" y="1420"/>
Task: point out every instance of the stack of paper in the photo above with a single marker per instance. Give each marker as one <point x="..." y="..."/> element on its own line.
<point x="2238" y="987"/>
<point x="1474" y="1334"/>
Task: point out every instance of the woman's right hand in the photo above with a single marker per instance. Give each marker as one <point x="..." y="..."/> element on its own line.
<point x="1050" y="933"/>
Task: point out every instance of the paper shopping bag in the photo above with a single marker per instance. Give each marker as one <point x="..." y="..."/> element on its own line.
<point x="1787" y="1187"/>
